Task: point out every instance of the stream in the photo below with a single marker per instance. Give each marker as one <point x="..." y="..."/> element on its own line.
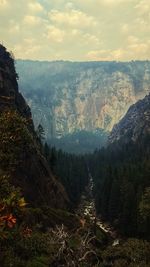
<point x="87" y="208"/>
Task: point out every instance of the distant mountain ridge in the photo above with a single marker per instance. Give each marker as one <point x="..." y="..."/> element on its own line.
<point x="135" y="124"/>
<point x="66" y="97"/>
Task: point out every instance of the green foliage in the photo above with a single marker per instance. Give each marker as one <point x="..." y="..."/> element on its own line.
<point x="40" y="261"/>
<point x="10" y="259"/>
<point x="121" y="177"/>
<point x="71" y="170"/>
<point x="144" y="205"/>
<point x="14" y="139"/>
<point x="12" y="205"/>
<point x="5" y="188"/>
<point x="101" y="236"/>
<point x="40" y="132"/>
<point x="29" y="236"/>
<point x="131" y="253"/>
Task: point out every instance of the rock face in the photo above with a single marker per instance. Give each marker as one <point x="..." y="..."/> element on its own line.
<point x="30" y="171"/>
<point x="10" y="97"/>
<point x="65" y="96"/>
<point x="135" y="124"/>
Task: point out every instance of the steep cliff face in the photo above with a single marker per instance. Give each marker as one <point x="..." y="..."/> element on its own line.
<point x="135" y="124"/>
<point x="10" y="97"/>
<point x="20" y="153"/>
<point x="65" y="96"/>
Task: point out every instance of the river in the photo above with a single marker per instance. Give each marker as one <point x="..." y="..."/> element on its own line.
<point x="87" y="209"/>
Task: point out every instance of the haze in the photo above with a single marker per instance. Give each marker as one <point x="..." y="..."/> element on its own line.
<point x="79" y="30"/>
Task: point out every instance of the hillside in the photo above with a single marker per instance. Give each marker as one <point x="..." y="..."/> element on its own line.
<point x="66" y="97"/>
<point x="121" y="173"/>
<point x="36" y="227"/>
<point x="20" y="154"/>
<point x="135" y="124"/>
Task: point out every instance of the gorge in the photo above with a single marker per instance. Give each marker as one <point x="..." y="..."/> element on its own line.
<point x="48" y="197"/>
<point x="68" y="97"/>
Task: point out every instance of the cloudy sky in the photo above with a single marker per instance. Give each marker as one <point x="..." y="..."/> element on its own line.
<point x="77" y="30"/>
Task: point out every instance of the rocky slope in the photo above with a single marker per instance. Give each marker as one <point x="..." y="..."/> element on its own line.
<point x="10" y="97"/>
<point x="66" y="96"/>
<point x="135" y="124"/>
<point x="20" y="153"/>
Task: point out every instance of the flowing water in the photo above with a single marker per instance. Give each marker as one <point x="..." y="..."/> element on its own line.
<point x="87" y="209"/>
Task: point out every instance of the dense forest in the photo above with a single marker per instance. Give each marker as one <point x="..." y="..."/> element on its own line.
<point x="36" y="225"/>
<point x="70" y="169"/>
<point x="41" y="189"/>
<point x="122" y="186"/>
<point x="121" y="182"/>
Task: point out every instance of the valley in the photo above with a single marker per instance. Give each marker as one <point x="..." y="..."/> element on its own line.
<point x="75" y="133"/>
<point x="68" y="97"/>
<point x="87" y="210"/>
<point x="59" y="208"/>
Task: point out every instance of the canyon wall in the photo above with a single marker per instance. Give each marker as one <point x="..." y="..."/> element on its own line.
<point x="68" y="96"/>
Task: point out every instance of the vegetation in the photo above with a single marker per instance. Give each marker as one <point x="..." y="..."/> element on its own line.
<point x="70" y="169"/>
<point x="15" y="139"/>
<point x="80" y="142"/>
<point x="121" y="176"/>
<point x="132" y="253"/>
<point x="34" y="233"/>
<point x="40" y="132"/>
<point x="24" y="236"/>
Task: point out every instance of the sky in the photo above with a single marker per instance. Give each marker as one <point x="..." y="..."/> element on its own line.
<point x="77" y="30"/>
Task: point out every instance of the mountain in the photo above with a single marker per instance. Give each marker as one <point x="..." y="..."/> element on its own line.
<point x="21" y="157"/>
<point x="34" y="229"/>
<point x="121" y="173"/>
<point x="135" y="124"/>
<point x="66" y="97"/>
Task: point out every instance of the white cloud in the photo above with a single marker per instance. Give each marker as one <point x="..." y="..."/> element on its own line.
<point x="55" y="34"/>
<point x="89" y="38"/>
<point x="105" y="55"/>
<point x="143" y="7"/>
<point x="132" y="39"/>
<point x="125" y="28"/>
<point x="95" y="55"/>
<point x="4" y="3"/>
<point x="35" y="7"/>
<point x="85" y="38"/>
<point x="32" y="20"/>
<point x="140" y="49"/>
<point x="69" y="5"/>
<point x="112" y="2"/>
<point x="14" y="28"/>
<point x="73" y="18"/>
<point x="26" y="49"/>
<point x="76" y="29"/>
<point x="134" y="49"/>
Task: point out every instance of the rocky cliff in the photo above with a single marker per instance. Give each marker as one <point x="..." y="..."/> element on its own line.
<point x="10" y="97"/>
<point x="66" y="96"/>
<point x="20" y="152"/>
<point x="135" y="124"/>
